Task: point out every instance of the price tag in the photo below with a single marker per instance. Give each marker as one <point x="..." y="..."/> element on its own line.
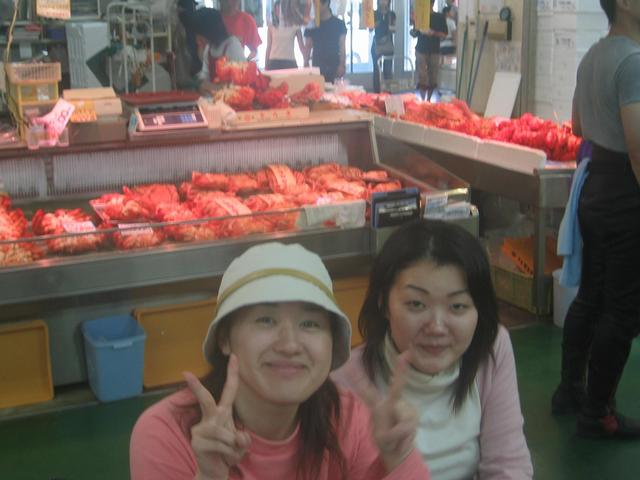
<point x="457" y="210"/>
<point x="78" y="227"/>
<point x="393" y="208"/>
<point x="435" y="205"/>
<point x="394" y="105"/>
<point x="127" y="229"/>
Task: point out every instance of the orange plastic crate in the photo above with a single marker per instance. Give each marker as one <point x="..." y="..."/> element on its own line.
<point x="25" y="364"/>
<point x="520" y="251"/>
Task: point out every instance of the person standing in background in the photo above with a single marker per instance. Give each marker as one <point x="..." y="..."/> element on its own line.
<point x="383" y="42"/>
<point x="242" y="25"/>
<point x="325" y="45"/>
<point x="448" y="45"/>
<point x="454" y="10"/>
<point x="280" y="42"/>
<point x="213" y="42"/>
<point x="604" y="318"/>
<point x="428" y="53"/>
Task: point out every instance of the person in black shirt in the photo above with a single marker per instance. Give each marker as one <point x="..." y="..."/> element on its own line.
<point x="325" y="45"/>
<point x="383" y="42"/>
<point x="428" y="53"/>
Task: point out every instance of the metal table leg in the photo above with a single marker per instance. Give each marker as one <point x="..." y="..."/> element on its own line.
<point x="539" y="259"/>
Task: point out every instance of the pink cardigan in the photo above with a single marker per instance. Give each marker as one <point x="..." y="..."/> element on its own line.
<point x="504" y="454"/>
<point x="160" y="450"/>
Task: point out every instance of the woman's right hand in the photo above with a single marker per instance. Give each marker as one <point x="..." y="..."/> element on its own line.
<point x="216" y="442"/>
<point x="394" y="420"/>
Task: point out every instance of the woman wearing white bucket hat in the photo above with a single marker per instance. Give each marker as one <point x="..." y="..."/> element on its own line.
<point x="268" y="410"/>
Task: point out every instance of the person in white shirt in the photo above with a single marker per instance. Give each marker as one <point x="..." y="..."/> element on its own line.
<point x="280" y="42"/>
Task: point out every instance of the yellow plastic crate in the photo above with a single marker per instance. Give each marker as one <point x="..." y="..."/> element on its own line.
<point x="31" y="86"/>
<point x="25" y="364"/>
<point x="516" y="288"/>
<point x="350" y="293"/>
<point x="26" y="73"/>
<point x="174" y="341"/>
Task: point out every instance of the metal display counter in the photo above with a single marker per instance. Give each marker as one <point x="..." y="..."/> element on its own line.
<point x="65" y="290"/>
<point x="542" y="188"/>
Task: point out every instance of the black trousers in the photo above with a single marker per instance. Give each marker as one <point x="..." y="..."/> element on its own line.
<point x="605" y="316"/>
<point x="387" y="66"/>
<point x="277" y="64"/>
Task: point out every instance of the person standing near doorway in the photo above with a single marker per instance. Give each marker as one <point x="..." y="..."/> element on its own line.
<point x="428" y="53"/>
<point x="241" y="25"/>
<point x="448" y="45"/>
<point x="325" y="44"/>
<point x="280" y="42"/>
<point x="604" y="318"/>
<point x="383" y="42"/>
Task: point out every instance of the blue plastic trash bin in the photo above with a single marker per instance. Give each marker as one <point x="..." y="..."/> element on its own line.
<point x="114" y="349"/>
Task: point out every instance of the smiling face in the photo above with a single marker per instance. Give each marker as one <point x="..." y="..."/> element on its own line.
<point x="431" y="313"/>
<point x="284" y="351"/>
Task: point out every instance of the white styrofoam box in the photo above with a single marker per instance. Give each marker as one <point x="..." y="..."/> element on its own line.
<point x="510" y="156"/>
<point x="451" y="142"/>
<point x="408" y="132"/>
<point x="383" y="125"/>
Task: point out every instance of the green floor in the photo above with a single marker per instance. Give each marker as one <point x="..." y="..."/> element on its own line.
<point x="92" y="442"/>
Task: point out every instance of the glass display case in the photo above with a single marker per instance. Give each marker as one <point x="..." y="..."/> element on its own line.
<point x="320" y="200"/>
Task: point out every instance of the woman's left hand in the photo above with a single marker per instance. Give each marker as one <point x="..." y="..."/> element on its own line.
<point x="394" y="420"/>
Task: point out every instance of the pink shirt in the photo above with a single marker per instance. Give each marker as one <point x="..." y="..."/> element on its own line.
<point x="504" y="454"/>
<point x="160" y="450"/>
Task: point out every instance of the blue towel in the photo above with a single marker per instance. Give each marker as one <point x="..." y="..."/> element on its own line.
<point x="569" y="238"/>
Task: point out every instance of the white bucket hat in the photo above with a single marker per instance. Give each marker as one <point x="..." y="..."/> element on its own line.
<point x="275" y="272"/>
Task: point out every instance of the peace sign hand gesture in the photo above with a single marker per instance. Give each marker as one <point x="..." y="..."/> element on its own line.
<point x="217" y="444"/>
<point x="394" y="420"/>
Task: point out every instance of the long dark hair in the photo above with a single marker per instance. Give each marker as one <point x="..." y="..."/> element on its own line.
<point x="319" y="415"/>
<point x="444" y="244"/>
<point x="208" y="23"/>
<point x="609" y="7"/>
<point x="275" y="19"/>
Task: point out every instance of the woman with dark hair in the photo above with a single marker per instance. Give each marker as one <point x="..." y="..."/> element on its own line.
<point x="213" y="42"/>
<point x="604" y="318"/>
<point x="430" y="294"/>
<point x="269" y="410"/>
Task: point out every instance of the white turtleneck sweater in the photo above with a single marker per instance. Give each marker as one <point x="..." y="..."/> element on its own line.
<point x="448" y="442"/>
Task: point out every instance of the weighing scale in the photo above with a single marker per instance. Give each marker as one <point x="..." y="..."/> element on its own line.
<point x="162" y="112"/>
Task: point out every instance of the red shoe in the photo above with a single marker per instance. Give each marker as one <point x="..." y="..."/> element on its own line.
<point x="613" y="425"/>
